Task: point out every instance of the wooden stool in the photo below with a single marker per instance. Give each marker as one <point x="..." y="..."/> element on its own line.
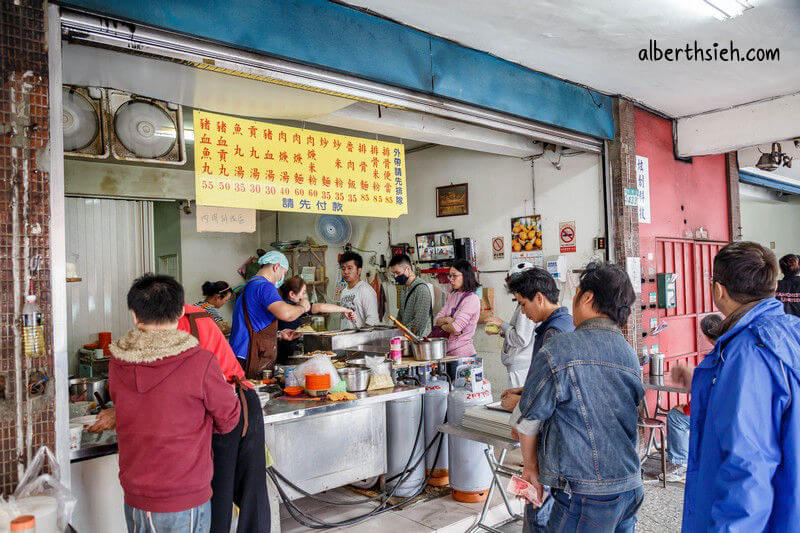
<point x="654" y="424"/>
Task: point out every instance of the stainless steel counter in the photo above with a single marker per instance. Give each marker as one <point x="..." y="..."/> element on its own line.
<point x="340" y="340"/>
<point x="91" y="452"/>
<point x="321" y="445"/>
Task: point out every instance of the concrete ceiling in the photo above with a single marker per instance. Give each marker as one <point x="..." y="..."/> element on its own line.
<point x="597" y="44"/>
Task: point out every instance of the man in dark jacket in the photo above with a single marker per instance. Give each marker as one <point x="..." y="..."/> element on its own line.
<point x="536" y="293"/>
<point x="744" y="464"/>
<point x="578" y="430"/>
<point x="788" y="292"/>
<point x="165" y="460"/>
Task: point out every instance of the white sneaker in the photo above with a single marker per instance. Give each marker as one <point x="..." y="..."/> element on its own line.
<point x="677" y="474"/>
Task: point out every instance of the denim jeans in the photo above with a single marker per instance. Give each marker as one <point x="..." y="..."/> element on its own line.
<point x="580" y="513"/>
<point x="677" y="437"/>
<point x="536" y="518"/>
<point x="195" y="520"/>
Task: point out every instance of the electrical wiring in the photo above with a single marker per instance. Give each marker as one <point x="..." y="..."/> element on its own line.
<point x="411" y="457"/>
<point x="315" y="523"/>
<point x="306" y="520"/>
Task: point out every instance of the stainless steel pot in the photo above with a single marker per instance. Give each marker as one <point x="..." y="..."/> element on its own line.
<point x="84" y="388"/>
<point x="430" y="349"/>
<point x="357" y="379"/>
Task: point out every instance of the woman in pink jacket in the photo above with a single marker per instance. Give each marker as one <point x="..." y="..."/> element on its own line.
<point x="459" y="316"/>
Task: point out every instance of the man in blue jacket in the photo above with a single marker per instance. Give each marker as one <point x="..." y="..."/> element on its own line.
<point x="744" y="444"/>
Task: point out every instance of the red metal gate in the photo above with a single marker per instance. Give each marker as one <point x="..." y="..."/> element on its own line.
<point x="683" y="342"/>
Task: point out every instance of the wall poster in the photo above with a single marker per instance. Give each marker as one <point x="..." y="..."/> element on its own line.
<point x="526" y="239"/>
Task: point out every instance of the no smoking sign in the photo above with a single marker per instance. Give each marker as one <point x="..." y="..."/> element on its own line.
<point x="498" y="247"/>
<point x="566" y="236"/>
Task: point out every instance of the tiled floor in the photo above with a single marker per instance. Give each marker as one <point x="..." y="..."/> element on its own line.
<point x="443" y="515"/>
<point x="660" y="513"/>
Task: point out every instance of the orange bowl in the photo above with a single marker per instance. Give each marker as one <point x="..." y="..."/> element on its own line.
<point x="293" y="391"/>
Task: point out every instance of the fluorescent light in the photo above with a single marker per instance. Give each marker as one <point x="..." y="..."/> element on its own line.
<point x="727" y="9"/>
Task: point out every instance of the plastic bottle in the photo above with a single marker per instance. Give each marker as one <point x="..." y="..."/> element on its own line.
<point x="32" y="330"/>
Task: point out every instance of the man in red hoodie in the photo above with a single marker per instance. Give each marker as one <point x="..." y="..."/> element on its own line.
<point x="170" y="395"/>
<point x="239" y="461"/>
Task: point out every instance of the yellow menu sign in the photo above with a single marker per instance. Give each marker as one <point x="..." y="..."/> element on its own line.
<point x="252" y="164"/>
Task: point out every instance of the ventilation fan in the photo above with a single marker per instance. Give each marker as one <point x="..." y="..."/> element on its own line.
<point x="83" y="122"/>
<point x="335" y="230"/>
<point x="145" y="129"/>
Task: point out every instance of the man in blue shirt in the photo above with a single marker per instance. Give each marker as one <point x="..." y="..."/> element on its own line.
<point x="254" y="332"/>
<point x="744" y="438"/>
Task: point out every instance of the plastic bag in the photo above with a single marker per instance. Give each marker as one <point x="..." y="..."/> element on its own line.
<point x="318" y="364"/>
<point x="380" y="376"/>
<point x="36" y="488"/>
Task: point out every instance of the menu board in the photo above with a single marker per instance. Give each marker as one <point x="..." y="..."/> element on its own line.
<point x="253" y="164"/>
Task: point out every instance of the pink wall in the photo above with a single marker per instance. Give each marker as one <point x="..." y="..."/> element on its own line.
<point x="683" y="196"/>
<point x="700" y="186"/>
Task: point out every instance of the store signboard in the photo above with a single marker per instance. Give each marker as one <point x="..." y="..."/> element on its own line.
<point x="643" y="186"/>
<point x="253" y="164"/>
<point x="225" y="219"/>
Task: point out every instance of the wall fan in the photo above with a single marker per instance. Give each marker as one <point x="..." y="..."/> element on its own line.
<point x="145" y="129"/>
<point x="83" y="122"/>
<point x="335" y="230"/>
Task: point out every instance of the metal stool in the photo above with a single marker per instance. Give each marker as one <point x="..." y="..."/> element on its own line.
<point x="654" y="424"/>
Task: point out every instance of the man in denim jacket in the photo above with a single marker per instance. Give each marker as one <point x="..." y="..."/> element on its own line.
<point x="578" y="431"/>
<point x="744" y="441"/>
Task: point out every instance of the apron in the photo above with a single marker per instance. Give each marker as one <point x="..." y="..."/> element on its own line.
<point x="262" y="348"/>
<point x="195" y="332"/>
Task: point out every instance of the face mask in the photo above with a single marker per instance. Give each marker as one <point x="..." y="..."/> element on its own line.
<point x="402" y="279"/>
<point x="280" y="281"/>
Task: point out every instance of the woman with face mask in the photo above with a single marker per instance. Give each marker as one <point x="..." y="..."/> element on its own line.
<point x="217" y="294"/>
<point x="294" y="291"/>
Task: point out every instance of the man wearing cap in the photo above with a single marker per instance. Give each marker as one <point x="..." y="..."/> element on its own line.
<point x="518" y="337"/>
<point x="254" y="333"/>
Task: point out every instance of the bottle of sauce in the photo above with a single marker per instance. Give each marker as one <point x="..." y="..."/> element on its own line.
<point x="32" y="330"/>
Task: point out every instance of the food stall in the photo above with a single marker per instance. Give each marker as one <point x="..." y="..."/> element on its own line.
<point x="226" y="185"/>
